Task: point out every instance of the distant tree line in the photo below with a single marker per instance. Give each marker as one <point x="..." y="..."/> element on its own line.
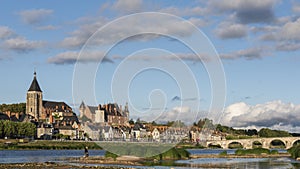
<point x="230" y="130"/>
<point x="17" y="107"/>
<point x="265" y="132"/>
<point x="12" y="129"/>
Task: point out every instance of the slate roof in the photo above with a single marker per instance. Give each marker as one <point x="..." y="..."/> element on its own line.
<point x="35" y="85"/>
<point x="53" y="104"/>
<point x="93" y="109"/>
<point x="70" y="118"/>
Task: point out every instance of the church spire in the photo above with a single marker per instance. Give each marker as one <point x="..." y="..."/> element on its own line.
<point x="34" y="84"/>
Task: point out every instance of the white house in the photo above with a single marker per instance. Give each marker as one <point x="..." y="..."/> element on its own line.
<point x="155" y="135"/>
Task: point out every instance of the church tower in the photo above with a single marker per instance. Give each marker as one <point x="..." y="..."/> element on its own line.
<point x="34" y="99"/>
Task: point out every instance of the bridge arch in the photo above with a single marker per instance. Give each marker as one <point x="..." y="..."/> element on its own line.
<point x="278" y="143"/>
<point x="214" y="145"/>
<point x="257" y="144"/>
<point x="235" y="144"/>
<point x="296" y="142"/>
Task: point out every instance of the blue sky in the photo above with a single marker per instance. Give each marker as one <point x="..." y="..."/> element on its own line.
<point x="257" y="42"/>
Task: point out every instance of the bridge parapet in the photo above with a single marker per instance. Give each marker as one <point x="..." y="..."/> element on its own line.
<point x="248" y="143"/>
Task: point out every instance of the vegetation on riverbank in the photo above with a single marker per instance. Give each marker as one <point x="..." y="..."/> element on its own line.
<point x="10" y="129"/>
<point x="295" y="151"/>
<point x="171" y="154"/>
<point x="47" y="145"/>
<point x="255" y="151"/>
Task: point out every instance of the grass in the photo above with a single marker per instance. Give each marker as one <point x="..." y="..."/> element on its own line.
<point x="171" y="154"/>
<point x="255" y="151"/>
<point x="49" y="145"/>
<point x="135" y="148"/>
<point x="223" y="153"/>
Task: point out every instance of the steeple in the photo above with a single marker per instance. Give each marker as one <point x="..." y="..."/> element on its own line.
<point x="34" y="84"/>
<point x="34" y="99"/>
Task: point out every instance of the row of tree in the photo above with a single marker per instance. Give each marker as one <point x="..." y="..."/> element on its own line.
<point x="12" y="129"/>
<point x="264" y="132"/>
<point x="17" y="107"/>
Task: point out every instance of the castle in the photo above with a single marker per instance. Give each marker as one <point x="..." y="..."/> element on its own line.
<point x="107" y="114"/>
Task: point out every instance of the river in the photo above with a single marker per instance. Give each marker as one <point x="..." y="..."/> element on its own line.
<point x="26" y="156"/>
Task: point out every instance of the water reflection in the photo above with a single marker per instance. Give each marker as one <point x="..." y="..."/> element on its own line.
<point x="26" y="156"/>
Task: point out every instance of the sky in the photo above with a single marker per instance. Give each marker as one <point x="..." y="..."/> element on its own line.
<point x="235" y="61"/>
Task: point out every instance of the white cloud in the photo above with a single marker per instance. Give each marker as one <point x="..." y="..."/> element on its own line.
<point x="290" y="31"/>
<point x="193" y="11"/>
<point x="164" y="25"/>
<point x="228" y="30"/>
<point x="35" y="16"/>
<point x="286" y="36"/>
<point x="288" y="46"/>
<point x="5" y="32"/>
<point x="21" y="44"/>
<point x="182" y="113"/>
<point x="128" y="6"/>
<point x="245" y="11"/>
<point x="198" y="22"/>
<point x="296" y="7"/>
<point x="88" y="26"/>
<point x="250" y="53"/>
<point x="47" y="27"/>
<point x="271" y="114"/>
<point x="70" y="57"/>
<point x="175" y="56"/>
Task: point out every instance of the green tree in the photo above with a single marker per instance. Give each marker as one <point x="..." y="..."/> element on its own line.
<point x="265" y="132"/>
<point x="17" y="107"/>
<point x="1" y="128"/>
<point x="22" y="127"/>
<point x="7" y="128"/>
<point x="131" y="122"/>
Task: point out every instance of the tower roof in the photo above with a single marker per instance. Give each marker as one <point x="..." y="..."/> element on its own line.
<point x="35" y="85"/>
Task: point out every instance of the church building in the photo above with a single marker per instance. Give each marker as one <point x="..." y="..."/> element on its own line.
<point x="58" y="115"/>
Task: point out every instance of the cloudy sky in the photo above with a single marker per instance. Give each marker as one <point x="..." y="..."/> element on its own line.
<point x="257" y="42"/>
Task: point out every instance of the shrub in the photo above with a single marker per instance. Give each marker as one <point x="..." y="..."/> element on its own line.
<point x="223" y="153"/>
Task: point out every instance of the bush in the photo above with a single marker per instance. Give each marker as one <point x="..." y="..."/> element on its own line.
<point x="295" y="151"/>
<point x="223" y="153"/>
<point x="110" y="155"/>
<point x="174" y="154"/>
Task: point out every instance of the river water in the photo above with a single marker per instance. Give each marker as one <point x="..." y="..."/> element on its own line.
<point x="26" y="156"/>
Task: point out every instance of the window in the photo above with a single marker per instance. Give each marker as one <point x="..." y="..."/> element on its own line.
<point x="30" y="109"/>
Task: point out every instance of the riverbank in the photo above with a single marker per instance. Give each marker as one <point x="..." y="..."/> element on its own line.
<point x="53" y="165"/>
<point x="15" y="144"/>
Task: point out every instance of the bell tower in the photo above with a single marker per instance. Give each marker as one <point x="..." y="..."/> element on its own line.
<point x="34" y="99"/>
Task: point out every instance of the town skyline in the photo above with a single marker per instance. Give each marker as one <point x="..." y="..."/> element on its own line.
<point x="260" y="57"/>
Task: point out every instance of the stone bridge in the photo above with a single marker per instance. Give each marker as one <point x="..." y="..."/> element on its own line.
<point x="248" y="143"/>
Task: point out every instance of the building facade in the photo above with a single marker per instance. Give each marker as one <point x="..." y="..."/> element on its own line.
<point x="108" y="114"/>
<point x="50" y="115"/>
